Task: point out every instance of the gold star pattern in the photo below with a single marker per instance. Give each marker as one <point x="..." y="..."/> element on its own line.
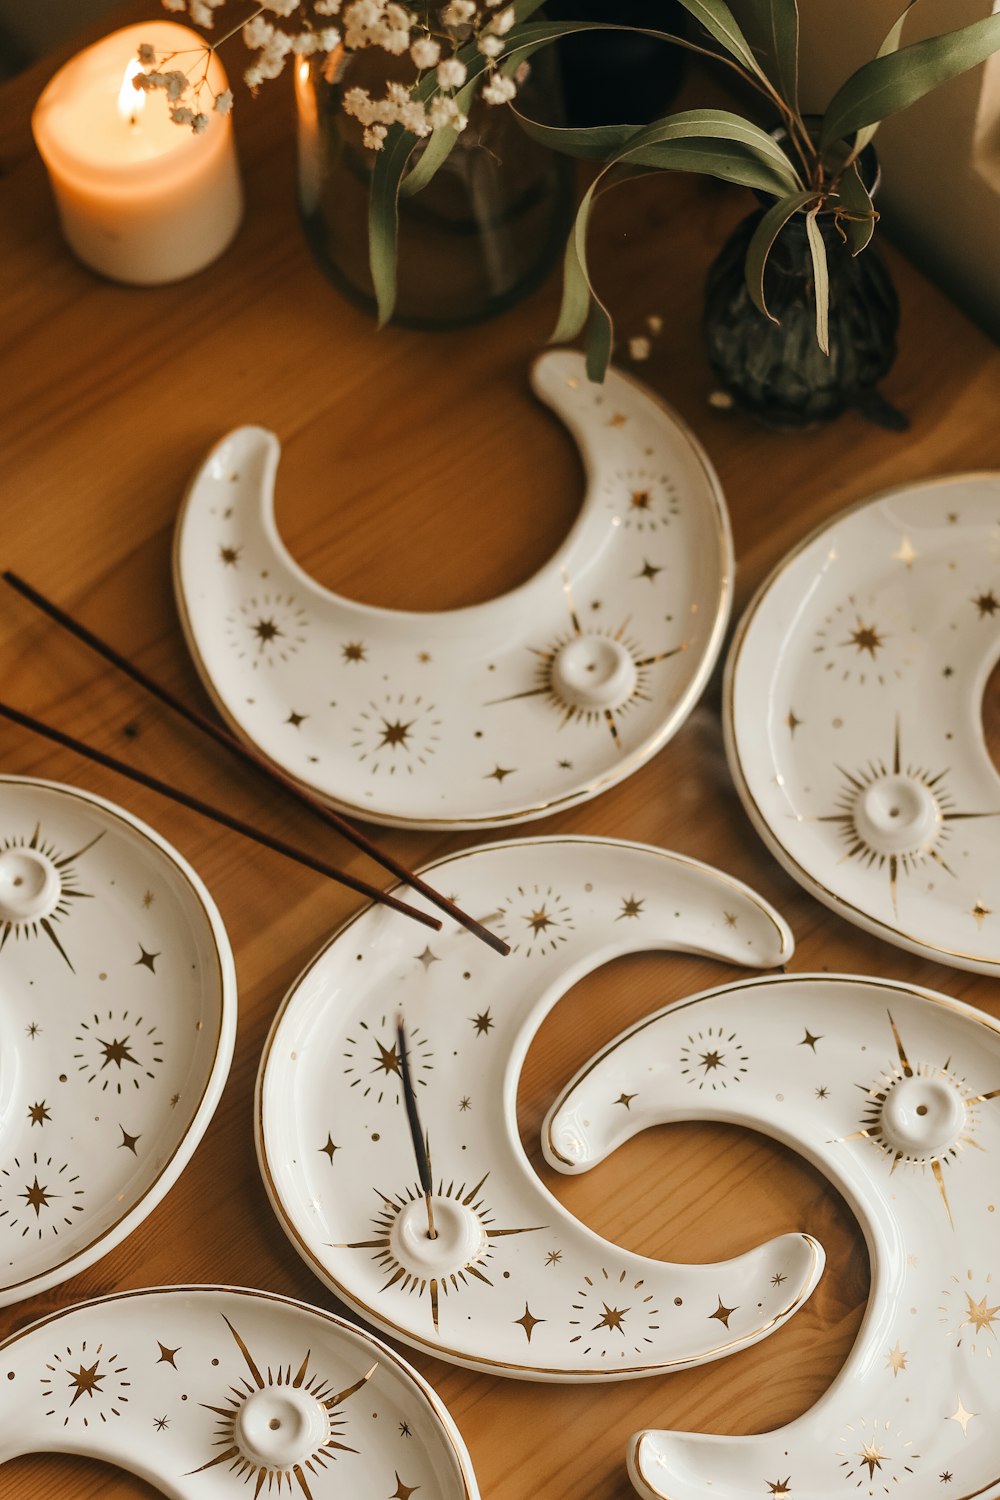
<point x="265" y="632"/>
<point x="427" y="958"/>
<point x="907" y="553"/>
<point x="404" y="1430"/>
<point x="148" y="899"/>
<point x="625" y="1099"/>
<point x="167" y="1355"/>
<point x="639" y="500"/>
<point x="402" y="1491"/>
<point x="945" y="1478"/>
<point x="146" y="960"/>
<point x="617" y="420"/>
<point x="793" y="722"/>
<point x="528" y="1322"/>
<point x="160" y="1423"/>
<point x="553" y="1257"/>
<point x="730" y="918"/>
<point x="823" y="1092"/>
<point x="809" y="1040"/>
<point x="296" y="719"/>
<point x="354" y="651"/>
<point x="865" y="638"/>
<point x="229" y="556"/>
<point x="872" y="1456"/>
<point x="482" y="1022"/>
<point x="32" y="1030"/>
<point x="895" y="1359"/>
<point x="128" y="1141"/>
<point x="116" y="1051"/>
<point x="612" y="1317"/>
<point x="779" y="1486"/>
<point x="85" y="1381"/>
<point x="329" y="1148"/>
<point x="395" y="734"/>
<point x="38" y="1113"/>
<point x="962" y="1417"/>
<point x="465" y="1103"/>
<point x="387" y="1060"/>
<point x="539" y="920"/>
<point x="499" y="772"/>
<point x="979" y="1316"/>
<point x="711" y="1060"/>
<point x="723" y="1313"/>
<point x="987" y="604"/>
<point x="36" y="1196"/>
<point x="980" y="912"/>
<point x="424" y="656"/>
<point x="777" y="1279"/>
<point x="649" y="570"/>
<point x="631" y="907"/>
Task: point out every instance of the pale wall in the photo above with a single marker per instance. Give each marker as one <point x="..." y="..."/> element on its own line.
<point x="936" y="200"/>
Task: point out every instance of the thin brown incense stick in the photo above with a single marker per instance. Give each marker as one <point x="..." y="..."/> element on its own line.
<point x="216" y="814"/>
<point x="252" y="757"/>
<point x="420" y="1147"/>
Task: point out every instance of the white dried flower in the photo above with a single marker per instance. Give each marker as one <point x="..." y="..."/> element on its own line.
<point x="425" y="52"/>
<point x="499" y="90"/>
<point x="199" y="122"/>
<point x="502" y="23"/>
<point x="639" y="348"/>
<point x="281" y="7"/>
<point x="458" y="12"/>
<point x="443" y="111"/>
<point x="224" y="102"/>
<point x="181" y="115"/>
<point x="490" y="46"/>
<point x="326" y="7"/>
<point x="147" y="55"/>
<point x="257" y="32"/>
<point x="374" y="136"/>
<point x="451" y="73"/>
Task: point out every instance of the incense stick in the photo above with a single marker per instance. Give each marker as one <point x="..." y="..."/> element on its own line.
<point x="252" y="757"/>
<point x="153" y="784"/>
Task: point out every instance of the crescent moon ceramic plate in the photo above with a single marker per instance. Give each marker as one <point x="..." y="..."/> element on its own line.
<point x="478" y="716"/>
<point x="117" y="1021"/>
<point x="210" y="1392"/>
<point x="893" y="1093"/>
<point x="853" y="717"/>
<point x="513" y="1283"/>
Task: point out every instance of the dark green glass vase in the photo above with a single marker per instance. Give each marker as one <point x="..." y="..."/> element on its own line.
<point x="779" y="373"/>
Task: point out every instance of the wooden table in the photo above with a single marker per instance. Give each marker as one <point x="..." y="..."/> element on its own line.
<point x="111" y="396"/>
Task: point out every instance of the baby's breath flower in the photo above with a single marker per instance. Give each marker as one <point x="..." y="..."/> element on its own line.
<point x="451" y="73"/>
<point x="489" y="45"/>
<point x="639" y="348"/>
<point x="425" y="52"/>
<point x="499" y="90"/>
<point x="147" y="55"/>
<point x="224" y="102"/>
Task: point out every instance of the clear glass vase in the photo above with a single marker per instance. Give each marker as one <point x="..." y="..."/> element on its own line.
<point x="485" y="232"/>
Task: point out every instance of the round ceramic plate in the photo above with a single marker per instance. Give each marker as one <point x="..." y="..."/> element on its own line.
<point x="513" y="1283"/>
<point x="485" y="715"/>
<point x="210" y="1391"/>
<point x="853" y="717"/>
<point x="893" y="1093"/>
<point x="117" y="1021"/>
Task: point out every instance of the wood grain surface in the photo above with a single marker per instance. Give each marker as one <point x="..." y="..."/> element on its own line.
<point x="418" y="472"/>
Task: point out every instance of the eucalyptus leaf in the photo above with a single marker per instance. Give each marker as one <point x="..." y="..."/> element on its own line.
<point x="777" y="24"/>
<point x="890" y="44"/>
<point x="821" y="279"/>
<point x="855" y="210"/>
<point x="888" y="84"/>
<point x="762" y="242"/>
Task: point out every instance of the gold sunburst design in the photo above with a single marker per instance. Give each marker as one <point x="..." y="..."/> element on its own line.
<point x="616" y="1316"/>
<point x="533" y="920"/>
<point x="896" y="816"/>
<point x="920" y="1116"/>
<point x="39" y="1197"/>
<point x="267" y="628"/>
<point x="396" y="735"/>
<point x="252" y="1441"/>
<point x="970" y="1312"/>
<point x="714" y="1059"/>
<point x="876" y="1456"/>
<point x="640" y="500"/>
<point x="463" y="1248"/>
<point x="858" y="643"/>
<point x="117" y="1050"/>
<point x="374" y="1064"/>
<point x="85" y="1384"/>
<point x="43" y="860"/>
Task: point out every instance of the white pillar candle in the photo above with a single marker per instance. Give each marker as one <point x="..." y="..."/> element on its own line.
<point x="140" y="198"/>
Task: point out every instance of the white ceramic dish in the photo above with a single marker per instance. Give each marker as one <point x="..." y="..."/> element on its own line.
<point x="479" y="716"/>
<point x="853" y="717"/>
<point x="513" y="1284"/>
<point x="117" y="1022"/>
<point x="894" y="1094"/>
<point x="210" y="1391"/>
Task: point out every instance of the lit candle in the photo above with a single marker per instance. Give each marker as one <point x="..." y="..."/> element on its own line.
<point x="140" y="198"/>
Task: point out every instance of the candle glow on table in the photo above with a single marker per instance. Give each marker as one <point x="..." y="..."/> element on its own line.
<point x="140" y="198"/>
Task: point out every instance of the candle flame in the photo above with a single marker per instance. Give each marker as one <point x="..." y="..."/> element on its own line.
<point x="131" y="101"/>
